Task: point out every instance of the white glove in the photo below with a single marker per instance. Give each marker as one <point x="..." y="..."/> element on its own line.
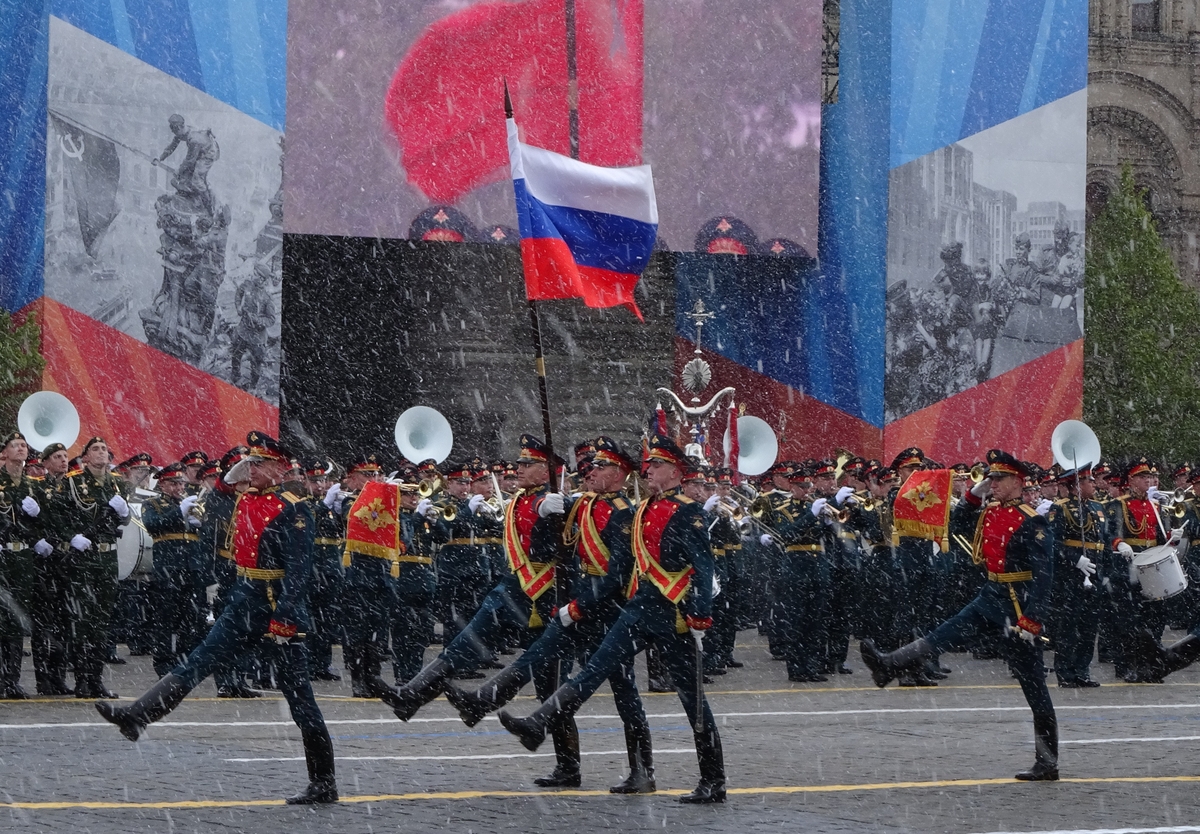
<point x="332" y="499"/>
<point x="30" y="507"/>
<point x="1044" y="506"/>
<point x="982" y="489"/>
<point x="1155" y="494"/>
<point x="475" y="502"/>
<point x="552" y="504"/>
<point x="1086" y="565"/>
<point x="187" y="505"/>
<point x="842" y="494"/>
<point x="43" y="547"/>
<point x="712" y="501"/>
<point x="120" y="505"/>
<point x="564" y="616"/>
<point x="698" y="636"/>
<point x="765" y="540"/>
<point x="1125" y="550"/>
<point x="1176" y="536"/>
<point x="1028" y="636"/>
<point x="819" y="506"/>
<point x="80" y="542"/>
<point x="424" y="506"/>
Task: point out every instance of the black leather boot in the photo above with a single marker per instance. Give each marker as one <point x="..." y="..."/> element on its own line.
<point x="418" y="692"/>
<point x="12" y="653"/>
<point x="641" y="763"/>
<point x="1181" y="654"/>
<point x="532" y="730"/>
<point x="318" y="755"/>
<point x="473" y="705"/>
<point x="566" y="772"/>
<point x="712" y="770"/>
<point x="886" y="666"/>
<point x="158" y="702"/>
<point x="1045" y="739"/>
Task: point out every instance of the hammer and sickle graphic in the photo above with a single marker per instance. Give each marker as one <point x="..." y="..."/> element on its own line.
<point x="74" y="151"/>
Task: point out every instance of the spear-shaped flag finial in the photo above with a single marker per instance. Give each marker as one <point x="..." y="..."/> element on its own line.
<point x="508" y="113"/>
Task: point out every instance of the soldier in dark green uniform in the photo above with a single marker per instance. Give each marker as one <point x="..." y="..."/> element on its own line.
<point x="193" y="465"/>
<point x="462" y="569"/>
<point x="326" y="587"/>
<point x="172" y="520"/>
<point x="88" y="512"/>
<point x="422" y="527"/>
<point x="19" y="529"/>
<point x="51" y="627"/>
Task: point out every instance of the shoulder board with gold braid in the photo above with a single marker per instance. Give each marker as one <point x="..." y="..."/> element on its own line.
<point x="1029" y="511"/>
<point x="683" y="499"/>
<point x="290" y="497"/>
<point x="620" y="503"/>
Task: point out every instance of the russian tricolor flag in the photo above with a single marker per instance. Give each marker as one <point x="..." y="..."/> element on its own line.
<point x="586" y="232"/>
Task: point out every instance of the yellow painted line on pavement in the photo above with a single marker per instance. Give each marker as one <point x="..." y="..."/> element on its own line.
<point x="452" y="796"/>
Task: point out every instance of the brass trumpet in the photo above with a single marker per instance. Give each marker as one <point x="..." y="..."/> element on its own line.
<point x="978" y="473"/>
<point x="428" y="487"/>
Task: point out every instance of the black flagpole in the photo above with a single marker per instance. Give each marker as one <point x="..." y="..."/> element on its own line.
<point x="539" y="359"/>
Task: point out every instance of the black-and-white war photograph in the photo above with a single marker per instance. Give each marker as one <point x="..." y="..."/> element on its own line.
<point x="164" y="212"/>
<point x="985" y="256"/>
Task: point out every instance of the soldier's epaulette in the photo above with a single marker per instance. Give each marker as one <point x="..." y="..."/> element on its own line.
<point x="683" y="499"/>
<point x="1029" y="511"/>
<point x="35" y="478"/>
<point x="290" y="497"/>
<point x="620" y="503"/>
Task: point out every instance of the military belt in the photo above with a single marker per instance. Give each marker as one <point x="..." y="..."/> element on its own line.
<point x="1141" y="542"/>
<point x="803" y="548"/>
<point x="1013" y="576"/>
<point x="330" y="542"/>
<point x="464" y="541"/>
<point x="15" y="547"/>
<point x="850" y="536"/>
<point x="489" y="540"/>
<point x="1084" y="545"/>
<point x="419" y="560"/>
<point x="259" y="573"/>
<point x="730" y="547"/>
<point x="225" y="554"/>
<point x="177" y="537"/>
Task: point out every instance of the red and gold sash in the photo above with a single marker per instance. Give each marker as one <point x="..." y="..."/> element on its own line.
<point x="535" y="578"/>
<point x="252" y="514"/>
<point x="648" y="526"/>
<point x="593" y="552"/>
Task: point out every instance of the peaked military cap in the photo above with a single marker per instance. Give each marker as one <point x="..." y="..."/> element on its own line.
<point x="1140" y="465"/>
<point x="196" y="458"/>
<point x="365" y="463"/>
<point x="533" y="450"/>
<point x="912" y="456"/>
<point x="1001" y="464"/>
<point x="172" y="471"/>
<point x="666" y="450"/>
<point x="607" y="450"/>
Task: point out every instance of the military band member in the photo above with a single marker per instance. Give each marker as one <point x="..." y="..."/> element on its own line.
<point x="327" y="577"/>
<point x="462" y="567"/>
<point x="173" y="521"/>
<point x="19" y="529"/>
<point x="1016" y="545"/>
<point x="672" y="607"/>
<point x="50" y="618"/>
<point x="193" y="464"/>
<point x="726" y="538"/>
<point x="1079" y="527"/>
<point x="1134" y="526"/>
<point x="88" y="513"/>
<point x="916" y="589"/>
<point x="273" y="541"/>
<point x="878" y="567"/>
<point x="843" y="564"/>
<point x="422" y="527"/>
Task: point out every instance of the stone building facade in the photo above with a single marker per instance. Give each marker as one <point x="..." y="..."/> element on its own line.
<point x="1144" y="107"/>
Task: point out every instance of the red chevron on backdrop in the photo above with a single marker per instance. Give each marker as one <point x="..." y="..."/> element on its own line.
<point x="140" y="399"/>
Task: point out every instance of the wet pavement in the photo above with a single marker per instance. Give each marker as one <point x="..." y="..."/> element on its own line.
<point x="832" y="757"/>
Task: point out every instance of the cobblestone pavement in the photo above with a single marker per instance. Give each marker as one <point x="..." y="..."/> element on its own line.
<point x="834" y="757"/>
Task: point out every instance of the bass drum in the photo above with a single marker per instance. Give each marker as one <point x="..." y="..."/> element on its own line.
<point x="135" y="553"/>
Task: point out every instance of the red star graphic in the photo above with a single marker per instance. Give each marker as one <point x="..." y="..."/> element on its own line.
<point x="724" y="225"/>
<point x="441" y="216"/>
<point x="776" y="247"/>
<point x="498" y="234"/>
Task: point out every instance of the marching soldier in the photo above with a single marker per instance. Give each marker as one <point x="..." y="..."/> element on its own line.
<point x="1015" y="543"/>
<point x="172" y="520"/>
<point x="88" y="513"/>
<point x="51" y="624"/>
<point x="19" y="527"/>
<point x="273" y="551"/>
<point x="842" y="563"/>
<point x="422" y="527"/>
<point x="1079" y="529"/>
<point x="672" y="608"/>
<point x="525" y="598"/>
<point x="599" y="525"/>
<point x="327" y="578"/>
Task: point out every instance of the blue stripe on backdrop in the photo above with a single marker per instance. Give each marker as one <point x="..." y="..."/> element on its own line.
<point x="962" y="66"/>
<point x="592" y="235"/>
<point x="854" y="208"/>
<point x="24" y="32"/>
<point x="234" y="50"/>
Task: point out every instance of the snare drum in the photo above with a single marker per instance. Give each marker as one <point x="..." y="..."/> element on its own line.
<point x="1160" y="576"/>
<point x="135" y="556"/>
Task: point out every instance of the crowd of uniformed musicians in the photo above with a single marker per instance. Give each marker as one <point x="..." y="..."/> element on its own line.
<point x="581" y="570"/>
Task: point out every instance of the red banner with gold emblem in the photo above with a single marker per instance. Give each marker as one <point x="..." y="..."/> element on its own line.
<point x="373" y="525"/>
<point x="922" y="509"/>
